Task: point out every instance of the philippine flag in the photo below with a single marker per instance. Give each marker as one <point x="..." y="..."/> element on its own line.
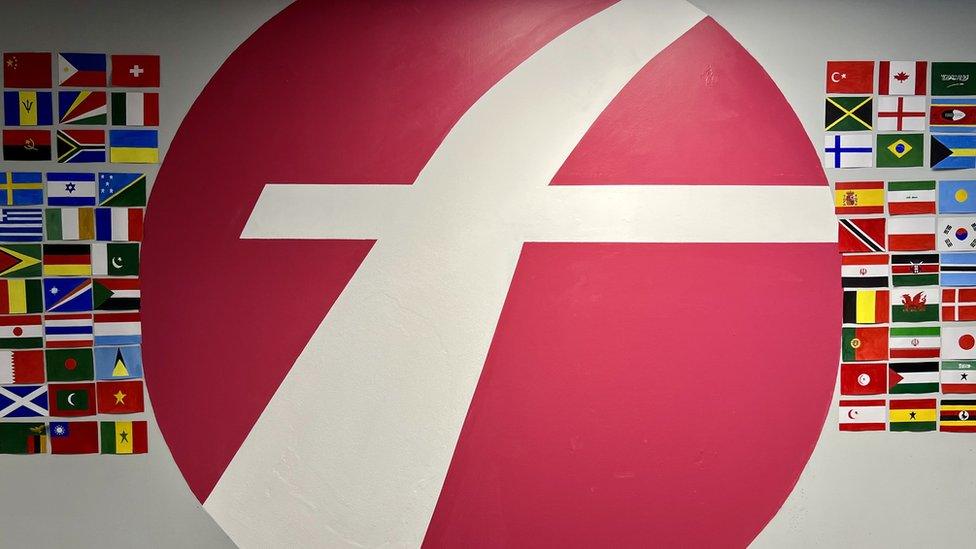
<point x="82" y="69"/>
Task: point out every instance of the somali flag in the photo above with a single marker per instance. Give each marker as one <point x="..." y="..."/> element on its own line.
<point x="134" y="146"/>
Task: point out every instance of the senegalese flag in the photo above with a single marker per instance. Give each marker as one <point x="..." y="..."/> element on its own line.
<point x="864" y="344"/>
<point x="911" y="197"/>
<point x="134" y="146"/>
<point x="848" y="113"/>
<point x="915" y="415"/>
<point x="859" y="197"/>
<point x="19" y="296"/>
<point x="915" y="305"/>
<point x="27" y="108"/>
<point x="81" y="108"/>
<point x="22" y="188"/>
<point x="67" y="260"/>
<point x="900" y="150"/>
<point x="124" y="437"/>
<point x="23" y="438"/>
<point x="122" y="189"/>
<point x="70" y="223"/>
<point x="957" y="416"/>
<point x="865" y="306"/>
<point x="20" y="260"/>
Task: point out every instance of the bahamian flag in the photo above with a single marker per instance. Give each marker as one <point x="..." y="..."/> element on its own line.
<point x="134" y="146"/>
<point x="957" y="196"/>
<point x="953" y="152"/>
<point x="27" y="108"/>
<point x="22" y="188"/>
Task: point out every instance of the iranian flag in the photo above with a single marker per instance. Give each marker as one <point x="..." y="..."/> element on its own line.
<point x="958" y="376"/>
<point x="914" y="342"/>
<point x="911" y="233"/>
<point x="862" y="415"/>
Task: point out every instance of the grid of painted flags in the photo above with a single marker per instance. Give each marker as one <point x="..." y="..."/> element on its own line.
<point x="67" y="124"/>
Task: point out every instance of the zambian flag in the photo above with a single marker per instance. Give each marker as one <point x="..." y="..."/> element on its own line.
<point x="23" y="438"/>
<point x="124" y="437"/>
<point x="915" y="415"/>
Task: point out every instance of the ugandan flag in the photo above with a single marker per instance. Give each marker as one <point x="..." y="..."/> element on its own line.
<point x="866" y="306"/>
<point x="915" y="415"/>
<point x="957" y="416"/>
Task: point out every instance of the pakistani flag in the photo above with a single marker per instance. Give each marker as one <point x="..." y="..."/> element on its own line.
<point x="900" y="150"/>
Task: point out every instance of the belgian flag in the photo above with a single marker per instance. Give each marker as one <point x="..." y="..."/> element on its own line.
<point x="866" y="306"/>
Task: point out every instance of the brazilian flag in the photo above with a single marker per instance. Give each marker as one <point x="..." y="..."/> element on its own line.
<point x="900" y="150"/>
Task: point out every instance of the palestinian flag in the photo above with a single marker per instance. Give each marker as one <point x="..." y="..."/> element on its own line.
<point x="23" y="438"/>
<point x="957" y="416"/>
<point x="958" y="377"/>
<point x="909" y="234"/>
<point x="915" y="305"/>
<point x="913" y="378"/>
<point x="864" y="271"/>
<point x="859" y="379"/>
<point x="915" y="415"/>
<point x="859" y="197"/>
<point x="915" y="270"/>
<point x="958" y="304"/>
<point x="864" y="344"/>
<point x="124" y="437"/>
<point x="862" y="415"/>
<point x="116" y="294"/>
<point x="862" y="235"/>
<point x="915" y="342"/>
<point x="911" y="197"/>
<point x="866" y="307"/>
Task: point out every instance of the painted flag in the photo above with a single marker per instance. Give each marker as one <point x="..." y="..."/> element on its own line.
<point x="23" y="438"/>
<point x="76" y="437"/>
<point x="19" y="296"/>
<point x="901" y="150"/>
<point x="958" y="376"/>
<point x="23" y="401"/>
<point x="861" y="235"/>
<point x="862" y="415"/>
<point x="81" y="146"/>
<point x="848" y="113"/>
<point x="114" y="259"/>
<point x="21" y="367"/>
<point x="118" y="224"/>
<point x="957" y="233"/>
<point x="848" y="151"/>
<point x="957" y="416"/>
<point x="71" y="189"/>
<point x="850" y="76"/>
<point x="911" y="197"/>
<point x="69" y="364"/>
<point x="865" y="307"/>
<point x="118" y="362"/>
<point x="82" y="108"/>
<point x="913" y="378"/>
<point x="135" y="71"/>
<point x="952" y="152"/>
<point x="70" y="223"/>
<point x="959" y="341"/>
<point x="27" y="145"/>
<point x="958" y="304"/>
<point x="67" y="260"/>
<point x="953" y="78"/>
<point x="914" y="415"/>
<point x="134" y="146"/>
<point x="909" y="234"/>
<point x="113" y="329"/>
<point x="914" y="342"/>
<point x="72" y="399"/>
<point x="67" y="295"/>
<point x="120" y="397"/>
<point x="135" y="109"/>
<point x="859" y="197"/>
<point x="915" y="305"/>
<point x="865" y="271"/>
<point x="901" y="113"/>
<point x="27" y="70"/>
<point x="21" y="225"/>
<point x="957" y="196"/>
<point x="914" y="270"/>
<point x="124" y="437"/>
<point x="20" y="332"/>
<point x="953" y="115"/>
<point x="122" y="189"/>
<point x="64" y="331"/>
<point x="116" y="294"/>
<point x="902" y="77"/>
<point x="22" y="188"/>
<point x="864" y="344"/>
<point x="957" y="269"/>
<point x="27" y="108"/>
<point x="82" y="69"/>
<point x="859" y="379"/>
<point x="20" y="260"/>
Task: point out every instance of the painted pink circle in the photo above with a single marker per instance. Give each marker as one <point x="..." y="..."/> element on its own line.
<point x="967" y="342"/>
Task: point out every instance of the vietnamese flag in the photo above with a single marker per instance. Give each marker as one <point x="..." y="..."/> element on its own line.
<point x="120" y="397"/>
<point x="135" y="71"/>
<point x="850" y="76"/>
<point x="863" y="379"/>
<point x="27" y="70"/>
<point x="79" y="437"/>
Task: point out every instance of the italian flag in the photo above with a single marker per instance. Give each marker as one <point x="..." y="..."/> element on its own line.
<point x="135" y="109"/>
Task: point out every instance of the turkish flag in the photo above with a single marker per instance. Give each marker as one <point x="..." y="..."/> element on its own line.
<point x="850" y="76"/>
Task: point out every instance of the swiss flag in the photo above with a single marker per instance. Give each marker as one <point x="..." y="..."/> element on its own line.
<point x="135" y="71"/>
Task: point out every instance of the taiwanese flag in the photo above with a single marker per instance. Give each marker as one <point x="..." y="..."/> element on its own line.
<point x="26" y="145"/>
<point x="27" y="70"/>
<point x="135" y="71"/>
<point x="71" y="399"/>
<point x="78" y="437"/>
<point x="863" y="379"/>
<point x="864" y="344"/>
<point x="850" y="76"/>
<point x="120" y="397"/>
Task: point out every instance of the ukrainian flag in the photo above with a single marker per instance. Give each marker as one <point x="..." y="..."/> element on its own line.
<point x="133" y="146"/>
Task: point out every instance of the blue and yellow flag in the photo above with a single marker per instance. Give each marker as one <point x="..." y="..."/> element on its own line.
<point x="27" y="108"/>
<point x="22" y="188"/>
<point x="134" y="146"/>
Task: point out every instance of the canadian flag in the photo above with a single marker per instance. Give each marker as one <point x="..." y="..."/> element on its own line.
<point x="902" y="77"/>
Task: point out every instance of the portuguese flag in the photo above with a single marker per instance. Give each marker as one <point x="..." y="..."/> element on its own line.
<point x="870" y="343"/>
<point x="915" y="415"/>
<point x="124" y="437"/>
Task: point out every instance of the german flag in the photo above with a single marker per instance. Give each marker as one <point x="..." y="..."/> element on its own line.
<point x="67" y="260"/>
<point x="957" y="416"/>
<point x="914" y="415"/>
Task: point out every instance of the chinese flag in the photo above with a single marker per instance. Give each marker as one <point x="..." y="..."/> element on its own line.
<point x="120" y="397"/>
<point x="27" y="70"/>
<point x="850" y="76"/>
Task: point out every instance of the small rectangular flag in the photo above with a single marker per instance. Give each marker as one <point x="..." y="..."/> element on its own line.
<point x="865" y="307"/>
<point x="952" y="78"/>
<point x="124" y="437"/>
<point x="957" y="233"/>
<point x="116" y="294"/>
<point x="914" y="270"/>
<point x="19" y="296"/>
<point x="77" y="437"/>
<point x="901" y="113"/>
<point x="859" y="197"/>
<point x="23" y="401"/>
<point x="134" y="146"/>
<point x="118" y="224"/>
<point x="69" y="330"/>
<point x="869" y="344"/>
<point x="901" y="150"/>
<point x="82" y="69"/>
<point x="952" y="152"/>
<point x="958" y="304"/>
<point x="27" y="108"/>
<point x="81" y="146"/>
<point x="122" y="189"/>
<point x="953" y="115"/>
<point x="957" y="269"/>
<point x="113" y="259"/>
<point x="21" y="225"/>
<point x="70" y="223"/>
<point x="902" y="77"/>
<point x="135" y="71"/>
<point x="20" y="332"/>
<point x="21" y="367"/>
<point x="909" y="234"/>
<point x="848" y="150"/>
<point x="915" y="305"/>
<point x="859" y="379"/>
<point x="20" y="260"/>
<point x="71" y="189"/>
<point x="135" y="109"/>
<point x="957" y="196"/>
<point x="27" y="69"/>
<point x="862" y="235"/>
<point x="67" y="260"/>
<point x="862" y="415"/>
<point x="69" y="364"/>
<point x="67" y="295"/>
<point x="958" y="377"/>
<point x="913" y="378"/>
<point x="82" y="108"/>
<point x="22" y="188"/>
<point x="957" y="416"/>
<point x="118" y="362"/>
<point x="120" y="397"/>
<point x="23" y="438"/>
<point x="914" y="342"/>
<point x="850" y="76"/>
<point x="959" y="341"/>
<point x="113" y="329"/>
<point x="865" y="271"/>
<point x="72" y="399"/>
<point x="915" y="415"/>
<point x="27" y="145"/>
<point x="911" y="197"/>
<point x="849" y="113"/>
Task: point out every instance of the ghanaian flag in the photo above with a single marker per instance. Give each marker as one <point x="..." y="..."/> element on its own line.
<point x="914" y="415"/>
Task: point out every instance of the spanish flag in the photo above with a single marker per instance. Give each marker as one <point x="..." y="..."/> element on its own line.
<point x="134" y="146"/>
<point x="859" y="197"/>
